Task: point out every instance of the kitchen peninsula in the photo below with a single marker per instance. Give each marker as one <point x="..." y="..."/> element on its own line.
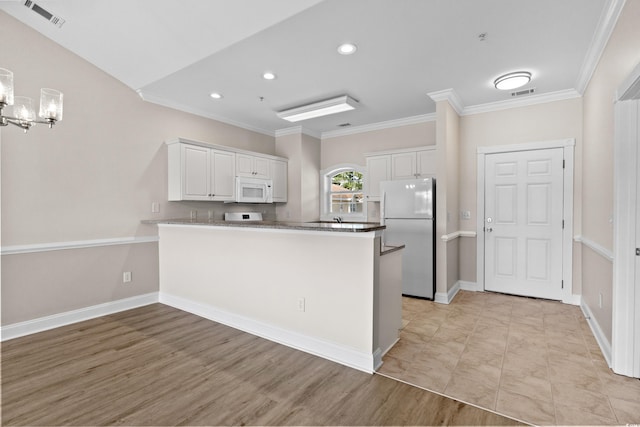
<point x="324" y="288"/>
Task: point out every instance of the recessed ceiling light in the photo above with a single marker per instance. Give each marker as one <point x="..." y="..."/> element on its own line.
<point x="512" y="80"/>
<point x="268" y="76"/>
<point x="347" y="48"/>
<point x="216" y="95"/>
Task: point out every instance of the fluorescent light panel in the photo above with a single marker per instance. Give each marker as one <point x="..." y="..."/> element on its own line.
<point x="319" y="109"/>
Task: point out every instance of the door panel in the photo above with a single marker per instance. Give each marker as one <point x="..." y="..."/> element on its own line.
<point x="523" y="223"/>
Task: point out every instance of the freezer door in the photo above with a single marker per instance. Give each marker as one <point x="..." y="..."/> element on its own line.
<point x="418" y="278"/>
<point x="407" y="198"/>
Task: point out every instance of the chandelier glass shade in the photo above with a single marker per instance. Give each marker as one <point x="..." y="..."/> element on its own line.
<point x="20" y="109"/>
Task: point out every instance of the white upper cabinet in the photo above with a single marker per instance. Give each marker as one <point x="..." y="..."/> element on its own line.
<point x="207" y="172"/>
<point x="223" y="175"/>
<point x="426" y="162"/>
<point x="398" y="164"/>
<point x="279" y="176"/>
<point x="199" y="173"/>
<point x="378" y="169"/>
<point x="403" y="165"/>
<point x="252" y="166"/>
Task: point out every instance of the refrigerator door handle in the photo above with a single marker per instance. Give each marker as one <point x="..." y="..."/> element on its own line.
<point x="383" y="200"/>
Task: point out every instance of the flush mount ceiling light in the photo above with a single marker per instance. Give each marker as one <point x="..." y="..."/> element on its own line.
<point x="319" y="109"/>
<point x="268" y="76"/>
<point x="216" y="95"/>
<point x="512" y="80"/>
<point x="347" y="48"/>
<point x="23" y="113"/>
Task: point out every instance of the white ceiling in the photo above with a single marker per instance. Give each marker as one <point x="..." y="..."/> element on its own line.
<point x="176" y="52"/>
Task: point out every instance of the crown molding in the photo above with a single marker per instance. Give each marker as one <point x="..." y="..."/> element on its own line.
<point x="295" y="130"/>
<point x="606" y="24"/>
<point x="448" y="95"/>
<point x="423" y="118"/>
<point x="521" y="102"/>
<point x="198" y="112"/>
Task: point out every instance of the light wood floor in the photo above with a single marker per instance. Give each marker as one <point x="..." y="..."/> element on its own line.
<point x="156" y="365"/>
<point x="530" y="359"/>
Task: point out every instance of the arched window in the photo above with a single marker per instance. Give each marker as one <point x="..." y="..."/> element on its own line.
<point x="343" y="193"/>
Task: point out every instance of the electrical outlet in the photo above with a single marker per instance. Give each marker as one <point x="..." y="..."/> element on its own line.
<point x="126" y="277"/>
<point x="301" y="304"/>
<point x="465" y="214"/>
<point x="155" y="207"/>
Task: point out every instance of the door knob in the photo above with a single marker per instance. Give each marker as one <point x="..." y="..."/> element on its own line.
<point x="489" y="220"/>
<point x="489" y="230"/>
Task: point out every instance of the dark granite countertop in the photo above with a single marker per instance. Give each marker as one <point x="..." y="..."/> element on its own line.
<point x="349" y="227"/>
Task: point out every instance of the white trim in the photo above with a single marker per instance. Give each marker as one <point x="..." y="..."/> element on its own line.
<point x="597" y="248"/>
<point x="322" y="348"/>
<point x="268" y="229"/>
<point x="223" y="148"/>
<point x="153" y="99"/>
<point x="469" y="286"/>
<point x="442" y="298"/>
<point x="401" y="150"/>
<point x="78" y="244"/>
<point x="456" y="234"/>
<point x="604" y="29"/>
<point x="423" y="118"/>
<point x="601" y="338"/>
<point x="527" y="146"/>
<point x="630" y="88"/>
<point x="525" y="101"/>
<point x="297" y="130"/>
<point x="448" y="95"/>
<point x="568" y="146"/>
<point x="377" y="357"/>
<point x="625" y="327"/>
<point x="29" y="327"/>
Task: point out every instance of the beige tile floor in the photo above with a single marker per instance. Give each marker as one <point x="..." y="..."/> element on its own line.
<point x="534" y="360"/>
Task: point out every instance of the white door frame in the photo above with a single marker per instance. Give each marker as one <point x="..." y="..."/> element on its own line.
<point x="625" y="334"/>
<point x="567" y="233"/>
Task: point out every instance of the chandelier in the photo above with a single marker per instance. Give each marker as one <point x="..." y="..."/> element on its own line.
<point x="20" y="109"/>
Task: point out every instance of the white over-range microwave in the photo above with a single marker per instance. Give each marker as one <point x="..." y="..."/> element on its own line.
<point x="254" y="190"/>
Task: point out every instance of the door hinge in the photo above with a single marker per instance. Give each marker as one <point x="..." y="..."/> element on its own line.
<point x="562" y="163"/>
<point x="562" y="284"/>
<point x="563" y="224"/>
<point x="637" y="251"/>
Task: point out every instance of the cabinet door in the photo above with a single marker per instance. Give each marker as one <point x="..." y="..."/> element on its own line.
<point x="378" y="169"/>
<point x="244" y="165"/>
<point x="403" y="165"/>
<point x="427" y="163"/>
<point x="279" y="177"/>
<point x="261" y="167"/>
<point x="195" y="172"/>
<point x="223" y="166"/>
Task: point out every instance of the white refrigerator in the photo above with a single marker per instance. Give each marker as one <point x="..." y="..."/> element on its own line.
<point x="408" y="212"/>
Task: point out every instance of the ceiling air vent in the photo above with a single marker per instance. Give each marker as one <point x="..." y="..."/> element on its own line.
<point x="523" y="92"/>
<point x="54" y="19"/>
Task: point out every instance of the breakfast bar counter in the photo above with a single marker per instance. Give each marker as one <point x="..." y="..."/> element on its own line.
<point x="325" y="288"/>
<point x="348" y="227"/>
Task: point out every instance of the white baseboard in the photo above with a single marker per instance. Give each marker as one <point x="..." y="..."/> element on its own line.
<point x="605" y="345"/>
<point x="573" y="300"/>
<point x="442" y="298"/>
<point x="469" y="286"/>
<point x="328" y="350"/>
<point x="28" y="327"/>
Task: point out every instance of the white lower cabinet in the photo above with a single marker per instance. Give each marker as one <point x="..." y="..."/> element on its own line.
<point x="199" y="173"/>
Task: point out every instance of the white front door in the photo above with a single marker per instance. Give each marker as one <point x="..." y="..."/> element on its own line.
<point x="523" y="223"/>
